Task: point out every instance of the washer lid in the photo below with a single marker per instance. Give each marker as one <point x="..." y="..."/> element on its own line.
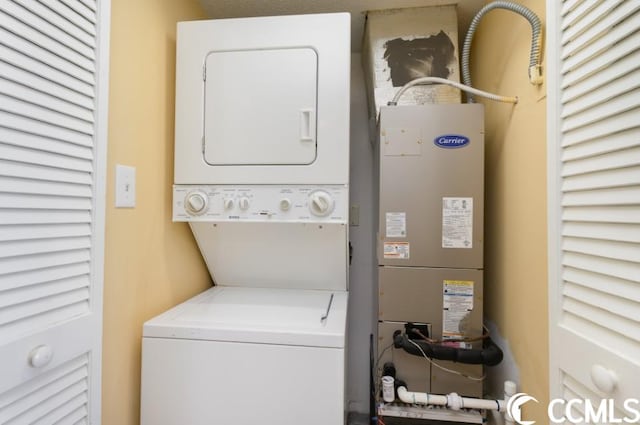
<point x="257" y="315"/>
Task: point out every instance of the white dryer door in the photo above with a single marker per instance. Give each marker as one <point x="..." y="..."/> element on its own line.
<point x="260" y="107"/>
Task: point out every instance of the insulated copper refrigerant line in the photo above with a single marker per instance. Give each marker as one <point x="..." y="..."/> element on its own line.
<point x="489" y="355"/>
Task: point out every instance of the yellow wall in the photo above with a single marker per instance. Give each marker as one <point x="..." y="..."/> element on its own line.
<point x="516" y="242"/>
<point x="151" y="263"/>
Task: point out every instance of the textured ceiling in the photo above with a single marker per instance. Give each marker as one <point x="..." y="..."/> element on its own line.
<point x="357" y="8"/>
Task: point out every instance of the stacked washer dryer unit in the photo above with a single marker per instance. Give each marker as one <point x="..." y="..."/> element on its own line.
<point x="261" y="176"/>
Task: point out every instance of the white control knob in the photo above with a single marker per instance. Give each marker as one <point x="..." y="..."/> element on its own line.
<point x="320" y="203"/>
<point x="228" y="203"/>
<point x="285" y="204"/>
<point x="243" y="203"/>
<point x="196" y="203"/>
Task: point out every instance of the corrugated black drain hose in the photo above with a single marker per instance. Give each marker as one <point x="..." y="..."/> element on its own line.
<point x="489" y="355"/>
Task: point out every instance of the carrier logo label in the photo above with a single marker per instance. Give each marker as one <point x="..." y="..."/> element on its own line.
<point x="450" y="141"/>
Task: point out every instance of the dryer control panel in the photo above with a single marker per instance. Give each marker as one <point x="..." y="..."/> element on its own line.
<point x="263" y="203"/>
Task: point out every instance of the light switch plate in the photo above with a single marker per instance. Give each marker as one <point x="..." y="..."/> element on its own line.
<point x="125" y="186"/>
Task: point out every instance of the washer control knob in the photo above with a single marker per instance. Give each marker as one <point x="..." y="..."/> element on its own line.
<point x="228" y="203"/>
<point x="196" y="202"/>
<point x="243" y="203"/>
<point x="285" y="204"/>
<point x="320" y="203"/>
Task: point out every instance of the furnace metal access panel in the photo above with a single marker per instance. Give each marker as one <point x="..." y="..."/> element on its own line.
<point x="431" y="186"/>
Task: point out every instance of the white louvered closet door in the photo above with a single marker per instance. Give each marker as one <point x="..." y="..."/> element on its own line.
<point x="594" y="198"/>
<point x="53" y="110"/>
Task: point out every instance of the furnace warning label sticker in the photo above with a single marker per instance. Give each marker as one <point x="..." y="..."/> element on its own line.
<point x="396" y="224"/>
<point x="396" y="250"/>
<point x="457" y="305"/>
<point x="457" y="222"/>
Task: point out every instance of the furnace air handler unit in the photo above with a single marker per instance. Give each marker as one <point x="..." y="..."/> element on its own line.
<point x="430" y="239"/>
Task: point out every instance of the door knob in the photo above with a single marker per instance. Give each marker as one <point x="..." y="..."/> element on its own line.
<point x="40" y="356"/>
<point x="604" y="379"/>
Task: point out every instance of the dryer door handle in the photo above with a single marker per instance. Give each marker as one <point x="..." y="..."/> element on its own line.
<point x="307" y="125"/>
<point x="326" y="314"/>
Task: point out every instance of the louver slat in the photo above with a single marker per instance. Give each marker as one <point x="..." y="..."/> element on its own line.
<point x="568" y="6"/>
<point x="602" y="129"/>
<point x="599" y="180"/>
<point x="38" y="276"/>
<point x="603" y="266"/>
<point x="623" y="288"/>
<point x="43" y="231"/>
<point x="39" y="246"/>
<point x="28" y="17"/>
<point x="603" y="248"/>
<point x="45" y="100"/>
<point x="612" y="16"/>
<point x="42" y="129"/>
<point x="28" y="402"/>
<point x="71" y="15"/>
<point x="614" y="161"/>
<point x="601" y="62"/>
<point x="42" y="55"/>
<point x="615" y="142"/>
<point x="16" y="107"/>
<point x="25" y="216"/>
<point x="615" y="70"/>
<point x="618" y="196"/>
<point x="43" y="85"/>
<point x="37" y="172"/>
<point x="45" y="144"/>
<point x="42" y="291"/>
<point x="602" y="214"/>
<point x="45" y="159"/>
<point x="42" y="261"/>
<point x="616" y="34"/>
<point x="12" y="23"/>
<point x="22" y="201"/>
<point x="573" y="13"/>
<point x="42" y="187"/>
<point x="33" y="67"/>
<point x="611" y="304"/>
<point x="81" y="9"/>
<point x="59" y="21"/>
<point x="598" y="112"/>
<point x="91" y="4"/>
<point x="609" y="89"/>
<point x="613" y="231"/>
<point x="69" y="403"/>
<point x="38" y="308"/>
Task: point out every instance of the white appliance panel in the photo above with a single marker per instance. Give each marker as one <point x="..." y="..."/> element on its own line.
<point x="260" y="107"/>
<point x="199" y="382"/>
<point x="259" y="315"/>
<point x="275" y="255"/>
<point x="299" y="154"/>
<point x="267" y="203"/>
